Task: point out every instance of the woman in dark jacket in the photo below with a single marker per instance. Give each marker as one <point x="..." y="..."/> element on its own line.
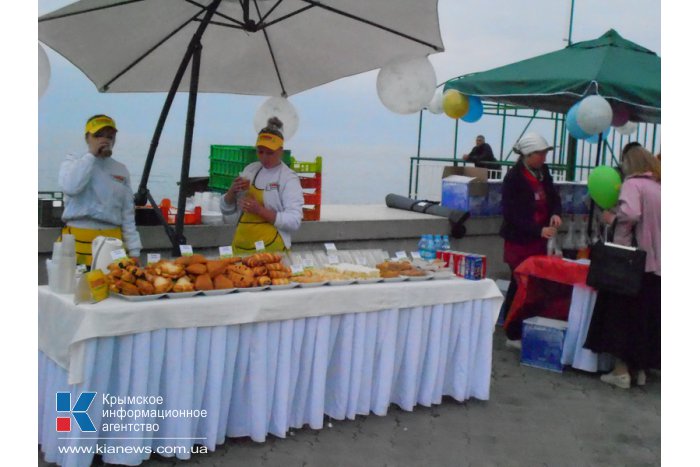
<point x="531" y="209"/>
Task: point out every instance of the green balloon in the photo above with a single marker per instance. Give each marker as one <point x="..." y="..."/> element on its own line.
<point x="604" y="186"/>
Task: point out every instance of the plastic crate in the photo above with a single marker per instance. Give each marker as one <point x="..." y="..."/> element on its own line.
<point x="241" y="154"/>
<point x="312" y="213"/>
<point x="311" y="182"/>
<point x="307" y="167"/>
<point x="220" y="183"/>
<point x="170" y="213"/>
<point x="312" y="198"/>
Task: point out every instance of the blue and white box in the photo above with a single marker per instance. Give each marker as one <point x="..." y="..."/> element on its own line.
<point x="543" y="343"/>
<point x="465" y="189"/>
<point x="455" y="192"/>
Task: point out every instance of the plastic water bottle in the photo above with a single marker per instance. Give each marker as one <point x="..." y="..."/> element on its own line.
<point x="430" y="250"/>
<point x="446" y="243"/>
<point x="422" y="246"/>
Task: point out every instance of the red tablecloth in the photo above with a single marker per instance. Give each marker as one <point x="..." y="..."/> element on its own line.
<point x="544" y="289"/>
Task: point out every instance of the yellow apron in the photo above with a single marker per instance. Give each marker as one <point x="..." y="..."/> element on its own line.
<point x="252" y="228"/>
<point x="84" y="238"/>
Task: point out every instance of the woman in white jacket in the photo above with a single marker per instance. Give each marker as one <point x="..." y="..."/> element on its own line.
<point x="266" y="197"/>
<point x="97" y="193"/>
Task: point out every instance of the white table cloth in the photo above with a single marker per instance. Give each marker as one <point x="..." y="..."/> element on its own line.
<point x="264" y="371"/>
<point x="580" y="312"/>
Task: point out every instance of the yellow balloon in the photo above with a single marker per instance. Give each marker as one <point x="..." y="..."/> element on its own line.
<point x="455" y="104"/>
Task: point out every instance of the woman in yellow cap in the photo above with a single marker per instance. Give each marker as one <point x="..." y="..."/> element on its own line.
<point x="97" y="193"/>
<point x="267" y="197"/>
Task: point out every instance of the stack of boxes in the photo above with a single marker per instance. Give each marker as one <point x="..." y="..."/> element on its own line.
<point x="310" y="178"/>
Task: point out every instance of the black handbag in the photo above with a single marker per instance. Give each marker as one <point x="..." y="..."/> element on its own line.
<point x="616" y="268"/>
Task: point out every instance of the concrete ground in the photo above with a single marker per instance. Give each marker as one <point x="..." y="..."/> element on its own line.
<point x="534" y="418"/>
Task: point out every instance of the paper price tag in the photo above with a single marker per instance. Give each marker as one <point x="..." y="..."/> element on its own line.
<point x="260" y="245"/>
<point x="225" y="252"/>
<point x="401" y="255"/>
<point x="296" y="269"/>
<point x="118" y="254"/>
<point x="330" y="247"/>
<point x="186" y="250"/>
<point x="152" y="258"/>
<point x="362" y="261"/>
<point x="333" y="259"/>
<point x="415" y="255"/>
<point x="308" y="263"/>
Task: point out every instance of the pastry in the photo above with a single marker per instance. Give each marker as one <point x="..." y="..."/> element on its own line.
<point x="222" y="282"/>
<point x="260" y="271"/>
<point x="216" y="267"/>
<point x="279" y="274"/>
<point x="280" y="281"/>
<point x="162" y="284"/>
<point x="145" y="287"/>
<point x="203" y="282"/>
<point x="264" y="280"/>
<point x="183" y="284"/>
<point x="196" y="269"/>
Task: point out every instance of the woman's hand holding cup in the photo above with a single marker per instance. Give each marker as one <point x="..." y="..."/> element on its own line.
<point x="240" y="184"/>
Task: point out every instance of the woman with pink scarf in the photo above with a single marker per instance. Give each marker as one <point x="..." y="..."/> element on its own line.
<point x="629" y="328"/>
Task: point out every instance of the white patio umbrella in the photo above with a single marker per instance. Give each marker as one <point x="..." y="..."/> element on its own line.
<point x="259" y="47"/>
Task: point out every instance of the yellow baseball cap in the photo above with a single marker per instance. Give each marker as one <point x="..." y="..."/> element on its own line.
<point x="270" y="141"/>
<point x="97" y="123"/>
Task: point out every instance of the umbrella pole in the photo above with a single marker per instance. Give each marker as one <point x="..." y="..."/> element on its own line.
<point x="187" y="148"/>
<point x="592" y="204"/>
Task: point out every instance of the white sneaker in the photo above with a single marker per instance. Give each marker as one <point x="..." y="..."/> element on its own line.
<point x="623" y="381"/>
<point x="641" y="378"/>
<point x="518" y="345"/>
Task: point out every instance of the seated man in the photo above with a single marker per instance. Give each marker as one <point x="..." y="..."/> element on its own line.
<point x="481" y="155"/>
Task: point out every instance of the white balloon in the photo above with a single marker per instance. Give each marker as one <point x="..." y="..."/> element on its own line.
<point x="435" y="105"/>
<point x="628" y="128"/>
<point x="44" y="71"/>
<point x="594" y="115"/>
<point x="281" y="108"/>
<point x="406" y="85"/>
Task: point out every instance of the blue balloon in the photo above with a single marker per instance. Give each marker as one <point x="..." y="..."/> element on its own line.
<point x="593" y="139"/>
<point x="572" y="125"/>
<point x="476" y="110"/>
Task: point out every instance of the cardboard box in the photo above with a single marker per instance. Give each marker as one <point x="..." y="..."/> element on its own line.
<point x="543" y="343"/>
<point x="465" y="189"/>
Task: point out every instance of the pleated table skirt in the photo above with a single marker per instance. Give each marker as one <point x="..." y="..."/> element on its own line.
<point x="265" y="378"/>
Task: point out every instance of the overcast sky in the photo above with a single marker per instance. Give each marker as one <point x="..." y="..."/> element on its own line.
<point x="343" y="121"/>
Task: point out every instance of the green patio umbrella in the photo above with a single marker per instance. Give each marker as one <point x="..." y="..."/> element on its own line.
<point x="610" y="66"/>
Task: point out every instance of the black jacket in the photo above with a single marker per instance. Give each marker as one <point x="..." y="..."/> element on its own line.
<point x="518" y="202"/>
<point x="481" y="156"/>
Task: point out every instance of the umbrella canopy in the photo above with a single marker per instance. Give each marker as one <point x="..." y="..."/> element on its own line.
<point x="610" y="66"/>
<point x="259" y="47"/>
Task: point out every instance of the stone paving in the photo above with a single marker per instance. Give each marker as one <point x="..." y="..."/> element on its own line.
<point x="534" y="418"/>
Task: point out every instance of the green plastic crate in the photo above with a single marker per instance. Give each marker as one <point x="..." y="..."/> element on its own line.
<point x="307" y="167"/>
<point x="226" y="162"/>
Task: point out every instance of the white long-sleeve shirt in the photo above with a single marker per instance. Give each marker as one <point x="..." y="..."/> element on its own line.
<point x="281" y="192"/>
<point x="97" y="195"/>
